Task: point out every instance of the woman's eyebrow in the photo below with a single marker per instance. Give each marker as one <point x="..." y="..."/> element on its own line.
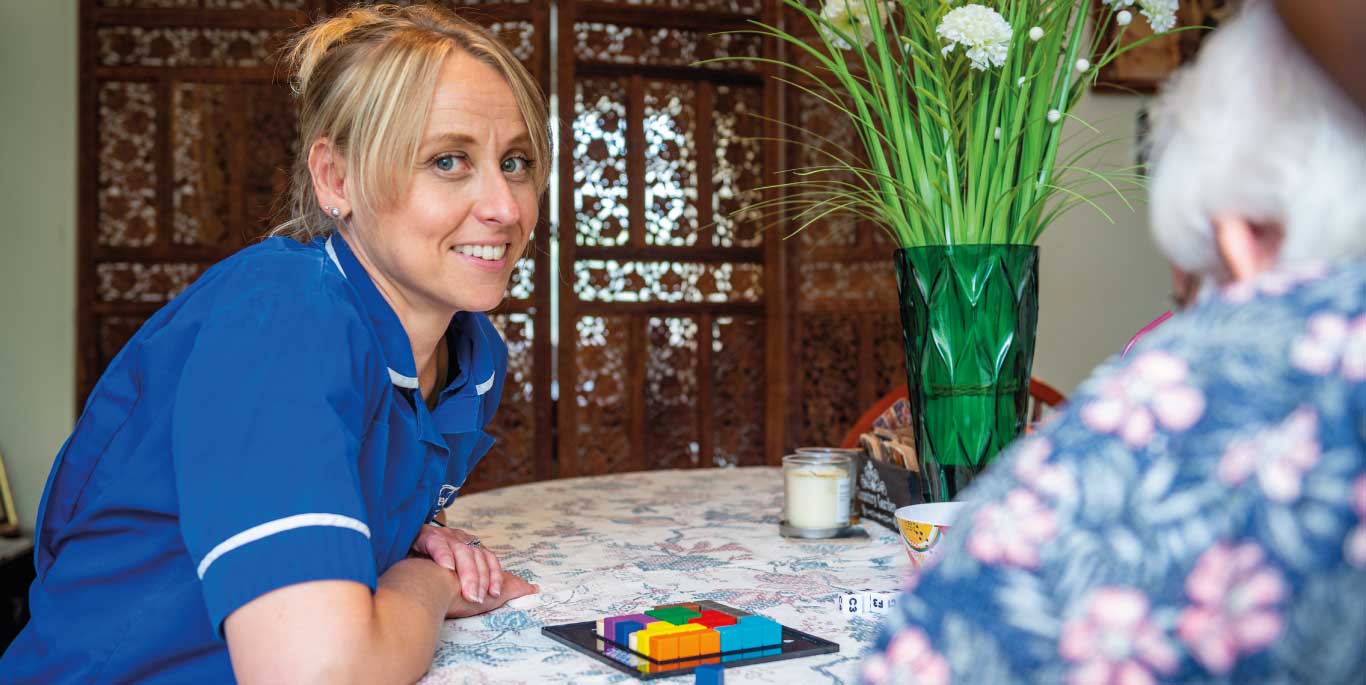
<point x="463" y="139"/>
<point x="449" y="138"/>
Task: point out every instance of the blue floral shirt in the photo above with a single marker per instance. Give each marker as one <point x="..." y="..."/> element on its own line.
<point x="1196" y="514"/>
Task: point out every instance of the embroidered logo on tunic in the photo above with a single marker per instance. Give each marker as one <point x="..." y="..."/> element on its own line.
<point x="447" y="494"/>
<point x="443" y="499"/>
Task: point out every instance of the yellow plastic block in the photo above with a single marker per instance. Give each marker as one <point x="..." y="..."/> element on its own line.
<point x="640" y="640"/>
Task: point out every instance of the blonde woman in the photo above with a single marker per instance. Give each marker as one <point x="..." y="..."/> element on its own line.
<point x="247" y="495"/>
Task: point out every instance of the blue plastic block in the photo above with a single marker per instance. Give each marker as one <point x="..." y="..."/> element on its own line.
<point x="761" y="631"/>
<point x="732" y="640"/>
<point x="709" y="674"/>
<point x="624" y="630"/>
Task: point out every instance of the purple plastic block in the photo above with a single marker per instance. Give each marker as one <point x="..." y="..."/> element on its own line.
<point x="609" y="625"/>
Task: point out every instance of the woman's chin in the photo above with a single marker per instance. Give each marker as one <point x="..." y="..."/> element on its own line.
<point x="481" y="302"/>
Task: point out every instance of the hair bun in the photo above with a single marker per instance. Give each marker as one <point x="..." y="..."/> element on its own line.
<point x="306" y="49"/>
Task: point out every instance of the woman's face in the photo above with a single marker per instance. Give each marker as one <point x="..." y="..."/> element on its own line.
<point x="471" y="203"/>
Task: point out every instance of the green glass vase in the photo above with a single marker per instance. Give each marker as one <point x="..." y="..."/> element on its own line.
<point x="969" y="314"/>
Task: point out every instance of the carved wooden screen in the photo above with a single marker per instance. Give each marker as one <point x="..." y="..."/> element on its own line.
<point x="848" y="347"/>
<point x="666" y="307"/>
<point x="187" y="132"/>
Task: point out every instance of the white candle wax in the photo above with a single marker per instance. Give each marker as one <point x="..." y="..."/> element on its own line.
<point x="817" y="496"/>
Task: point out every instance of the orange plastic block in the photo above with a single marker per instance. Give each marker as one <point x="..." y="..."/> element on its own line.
<point x="709" y="642"/>
<point x="688" y="644"/>
<point x="664" y="647"/>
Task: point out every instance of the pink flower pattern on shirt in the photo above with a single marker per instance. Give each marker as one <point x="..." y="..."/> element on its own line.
<point x="908" y="660"/>
<point x="1033" y="469"/>
<point x="1012" y="532"/>
<point x="1115" y="642"/>
<point x="1235" y="599"/>
<point x="1354" y="549"/>
<point x="1203" y="504"/>
<point x="1135" y="400"/>
<point x="1332" y="343"/>
<point x="1275" y="283"/>
<point x="1279" y="456"/>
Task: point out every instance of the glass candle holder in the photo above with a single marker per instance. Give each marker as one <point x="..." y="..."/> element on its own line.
<point x="852" y="454"/>
<point x="817" y="491"/>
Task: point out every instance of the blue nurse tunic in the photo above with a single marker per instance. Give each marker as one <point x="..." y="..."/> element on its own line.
<point x="263" y="429"/>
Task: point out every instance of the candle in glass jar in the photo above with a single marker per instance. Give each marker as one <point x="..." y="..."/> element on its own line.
<point x="816" y="490"/>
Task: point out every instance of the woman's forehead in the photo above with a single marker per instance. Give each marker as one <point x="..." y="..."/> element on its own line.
<point x="473" y="100"/>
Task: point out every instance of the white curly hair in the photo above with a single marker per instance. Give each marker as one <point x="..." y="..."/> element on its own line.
<point x="1254" y="129"/>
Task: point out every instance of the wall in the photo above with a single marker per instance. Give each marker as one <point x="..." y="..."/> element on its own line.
<point x="37" y="239"/>
<point x="1099" y="281"/>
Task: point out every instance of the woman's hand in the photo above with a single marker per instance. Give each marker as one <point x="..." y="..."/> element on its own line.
<point x="478" y="569"/>
<point x="513" y="587"/>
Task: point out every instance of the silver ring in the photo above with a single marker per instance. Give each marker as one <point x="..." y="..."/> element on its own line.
<point x="474" y="543"/>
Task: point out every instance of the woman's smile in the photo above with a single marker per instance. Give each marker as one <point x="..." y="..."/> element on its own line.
<point x="487" y="256"/>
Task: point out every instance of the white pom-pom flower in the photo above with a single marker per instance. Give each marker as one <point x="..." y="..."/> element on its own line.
<point x="1161" y="14"/>
<point x="1053" y="116"/>
<point x="851" y="18"/>
<point x="981" y="31"/>
<point x="1124" y="18"/>
<point x="1036" y="34"/>
<point x="1083" y="64"/>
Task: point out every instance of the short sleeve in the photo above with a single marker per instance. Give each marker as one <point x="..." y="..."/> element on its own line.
<point x="268" y="419"/>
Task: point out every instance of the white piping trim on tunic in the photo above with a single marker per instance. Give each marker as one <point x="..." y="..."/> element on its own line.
<point x="401" y="380"/>
<point x="486" y="385"/>
<point x="269" y="528"/>
<point x="333" y="254"/>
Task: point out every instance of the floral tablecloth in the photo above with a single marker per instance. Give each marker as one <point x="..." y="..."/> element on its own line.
<point x="616" y="544"/>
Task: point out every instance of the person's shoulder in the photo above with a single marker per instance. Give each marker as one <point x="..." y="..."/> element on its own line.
<point x="277" y="276"/>
<point x="275" y="262"/>
<point x="1259" y="320"/>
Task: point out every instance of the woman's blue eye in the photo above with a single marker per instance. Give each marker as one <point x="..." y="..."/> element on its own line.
<point x="516" y="165"/>
<point x="445" y="163"/>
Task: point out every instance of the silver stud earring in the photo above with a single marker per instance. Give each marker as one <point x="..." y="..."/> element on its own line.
<point x="336" y="213"/>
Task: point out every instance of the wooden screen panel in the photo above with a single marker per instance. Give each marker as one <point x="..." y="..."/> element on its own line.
<point x="187" y="136"/>
<point x="662" y="153"/>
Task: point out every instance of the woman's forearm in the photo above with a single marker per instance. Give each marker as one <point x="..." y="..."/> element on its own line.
<point x="410" y="604"/>
<point x="338" y="632"/>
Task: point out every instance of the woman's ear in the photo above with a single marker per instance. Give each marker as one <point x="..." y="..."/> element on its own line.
<point x="328" y="170"/>
<point x="1247" y="249"/>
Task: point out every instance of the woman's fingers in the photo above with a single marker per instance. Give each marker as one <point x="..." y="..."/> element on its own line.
<point x="495" y="573"/>
<point x="481" y="563"/>
<point x="468" y="571"/>
<point x="514" y="586"/>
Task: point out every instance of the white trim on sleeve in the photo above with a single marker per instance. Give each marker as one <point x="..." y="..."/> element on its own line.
<point x="269" y="528"/>
<point x="486" y="385"/>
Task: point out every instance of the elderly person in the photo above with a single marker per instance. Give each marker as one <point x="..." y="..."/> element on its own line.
<point x="243" y="494"/>
<point x="1198" y="513"/>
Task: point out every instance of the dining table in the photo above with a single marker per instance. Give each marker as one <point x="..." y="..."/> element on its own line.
<point x="616" y="544"/>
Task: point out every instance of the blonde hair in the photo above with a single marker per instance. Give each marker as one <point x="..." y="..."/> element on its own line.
<point x="365" y="81"/>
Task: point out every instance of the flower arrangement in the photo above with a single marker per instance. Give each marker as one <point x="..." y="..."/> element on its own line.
<point x="959" y="108"/>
